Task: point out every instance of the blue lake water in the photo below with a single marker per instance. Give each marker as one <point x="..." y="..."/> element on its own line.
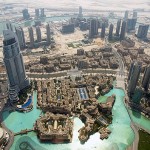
<point x="17" y="121"/>
<point x="121" y="137"/>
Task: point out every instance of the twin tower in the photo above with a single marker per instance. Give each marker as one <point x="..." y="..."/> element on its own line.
<point x="14" y="65"/>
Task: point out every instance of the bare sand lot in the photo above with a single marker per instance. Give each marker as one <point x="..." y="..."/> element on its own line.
<point x="87" y="4"/>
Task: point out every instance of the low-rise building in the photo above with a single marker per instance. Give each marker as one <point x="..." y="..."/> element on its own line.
<point x="127" y="60"/>
<point x="107" y="48"/>
<point x="4" y="138"/>
<point x="65" y="66"/>
<point x="89" y="54"/>
<point x="113" y="63"/>
<point x="49" y="68"/>
<point x="122" y="51"/>
<point x="83" y="64"/>
<point x="63" y="60"/>
<point x="80" y="52"/>
<point x="37" y="68"/>
<point x="56" y="128"/>
<point x="133" y="54"/>
<point x="145" y="58"/>
<point x="55" y="62"/>
<point x="108" y="54"/>
<point x="44" y="60"/>
<point x="128" y="43"/>
<point x="104" y="63"/>
<point x="94" y="64"/>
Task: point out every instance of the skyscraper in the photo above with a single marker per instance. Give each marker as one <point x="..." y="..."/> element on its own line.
<point x="80" y="15"/>
<point x="14" y="65"/>
<point x="48" y="32"/>
<point x="31" y="37"/>
<point x="68" y="28"/>
<point x="9" y="25"/>
<point x="118" y="27"/>
<point x="142" y="31"/>
<point x="93" y="30"/>
<point x="38" y="33"/>
<point x="135" y="14"/>
<point x="37" y="13"/>
<point x="26" y="14"/>
<point x="83" y="25"/>
<point x="126" y="15"/>
<point x="146" y="78"/>
<point x="42" y="13"/>
<point x="103" y="30"/>
<point x="130" y="71"/>
<point x="123" y="31"/>
<point x="131" y="23"/>
<point x="111" y="27"/>
<point x="21" y="38"/>
<point x="134" y="76"/>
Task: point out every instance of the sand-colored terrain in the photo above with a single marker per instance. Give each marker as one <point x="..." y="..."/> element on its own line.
<point x="88" y="4"/>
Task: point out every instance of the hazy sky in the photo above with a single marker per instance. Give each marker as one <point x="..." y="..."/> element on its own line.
<point x="97" y="4"/>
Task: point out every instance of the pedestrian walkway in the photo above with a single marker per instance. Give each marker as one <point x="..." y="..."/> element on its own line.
<point x="120" y="83"/>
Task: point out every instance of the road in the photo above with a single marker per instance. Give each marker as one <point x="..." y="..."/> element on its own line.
<point x="121" y="63"/>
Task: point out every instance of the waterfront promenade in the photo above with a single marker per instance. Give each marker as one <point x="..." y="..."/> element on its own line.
<point x="120" y="83"/>
<point x="134" y="145"/>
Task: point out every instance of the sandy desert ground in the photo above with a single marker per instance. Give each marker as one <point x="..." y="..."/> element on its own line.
<point x="87" y="4"/>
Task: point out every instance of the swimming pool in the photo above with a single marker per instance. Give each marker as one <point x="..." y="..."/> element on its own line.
<point x="83" y="93"/>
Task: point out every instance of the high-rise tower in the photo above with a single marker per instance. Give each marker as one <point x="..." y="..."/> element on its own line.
<point x="38" y="33"/>
<point x="126" y="15"/>
<point x="135" y="14"/>
<point x="31" y="37"/>
<point x="142" y="31"/>
<point x="80" y="15"/>
<point x="93" y="31"/>
<point x="42" y="13"/>
<point x="14" y="64"/>
<point x="21" y="37"/>
<point x="123" y="31"/>
<point x="131" y="23"/>
<point x="48" y="32"/>
<point x="37" y="13"/>
<point x="26" y="14"/>
<point x="111" y="27"/>
<point x="133" y="78"/>
<point x="118" y="27"/>
<point x="103" y="30"/>
<point x="146" y="78"/>
<point x="130" y="71"/>
<point x="9" y="26"/>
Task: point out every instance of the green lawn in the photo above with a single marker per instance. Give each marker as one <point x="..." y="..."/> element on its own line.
<point x="144" y="141"/>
